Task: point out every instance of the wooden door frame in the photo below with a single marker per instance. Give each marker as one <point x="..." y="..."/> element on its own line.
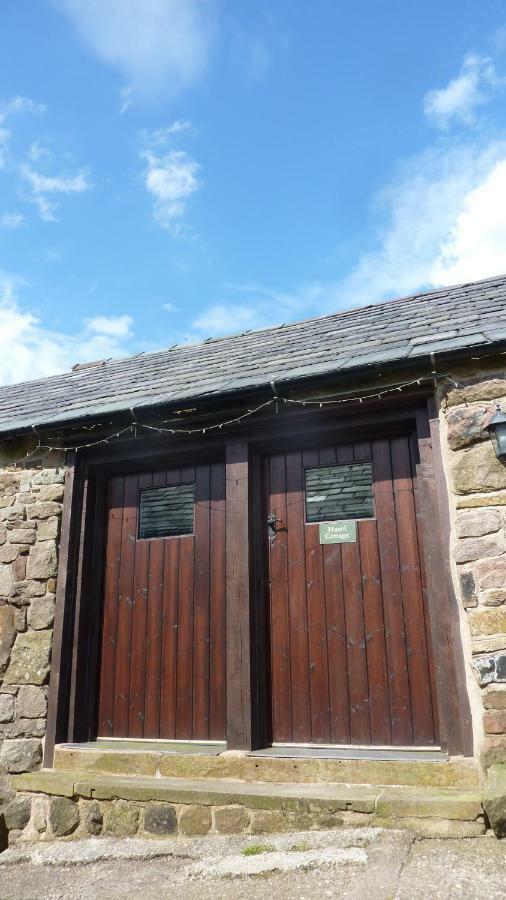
<point x="73" y="683"/>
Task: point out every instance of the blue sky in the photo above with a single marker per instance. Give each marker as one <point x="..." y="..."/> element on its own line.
<point x="176" y="169"/>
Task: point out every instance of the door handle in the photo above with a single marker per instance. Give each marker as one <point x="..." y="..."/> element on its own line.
<point x="271" y="526"/>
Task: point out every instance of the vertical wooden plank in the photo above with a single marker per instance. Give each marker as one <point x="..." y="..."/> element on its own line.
<point x="201" y="603"/>
<point x="453" y="702"/>
<point x="317" y="625"/>
<point x="115" y="495"/>
<point x="400" y="711"/>
<point x="358" y="687"/>
<point x="62" y="629"/>
<point x="185" y="650"/>
<point x="279" y="612"/>
<point x="374" y="624"/>
<point x="139" y="661"/>
<point x="298" y="641"/>
<point x="170" y="603"/>
<point x="154" y="613"/>
<point x="125" y="601"/>
<point x="238" y="537"/>
<point x="337" y="650"/>
<point x="414" y="618"/>
<point x="217" y="647"/>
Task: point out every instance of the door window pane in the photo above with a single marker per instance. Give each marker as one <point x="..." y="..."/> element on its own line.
<point x="166" y="511"/>
<point x="339" y="492"/>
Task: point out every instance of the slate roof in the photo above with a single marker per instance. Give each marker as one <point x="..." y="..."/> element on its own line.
<point x="450" y="319"/>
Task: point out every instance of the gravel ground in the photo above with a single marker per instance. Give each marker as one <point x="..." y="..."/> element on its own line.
<point x="359" y="863"/>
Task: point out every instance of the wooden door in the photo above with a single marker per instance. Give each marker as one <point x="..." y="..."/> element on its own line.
<point x="162" y="672"/>
<point x="350" y="658"/>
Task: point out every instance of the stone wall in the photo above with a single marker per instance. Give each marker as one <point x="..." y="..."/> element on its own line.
<point x="30" y="512"/>
<point x="477" y="482"/>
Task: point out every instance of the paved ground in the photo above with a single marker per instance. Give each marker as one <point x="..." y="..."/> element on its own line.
<point x="361" y="863"/>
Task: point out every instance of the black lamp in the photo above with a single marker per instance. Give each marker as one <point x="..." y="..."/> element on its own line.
<point x="497" y="431"/>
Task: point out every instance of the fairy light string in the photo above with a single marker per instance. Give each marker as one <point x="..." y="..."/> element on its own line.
<point x="44" y="448"/>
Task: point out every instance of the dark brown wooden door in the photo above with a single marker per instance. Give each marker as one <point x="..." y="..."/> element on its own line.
<point x="162" y="669"/>
<point x="349" y="647"/>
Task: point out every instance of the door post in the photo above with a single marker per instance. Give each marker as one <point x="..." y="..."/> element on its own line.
<point x="238" y="595"/>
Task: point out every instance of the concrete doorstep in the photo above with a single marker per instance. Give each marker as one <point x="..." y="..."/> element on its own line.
<point x="68" y="804"/>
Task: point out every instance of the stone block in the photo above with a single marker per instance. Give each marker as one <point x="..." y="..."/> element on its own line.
<point x="493" y="597"/>
<point x="3" y="534"/>
<point x="478" y="391"/>
<point x="195" y="820"/>
<point x="488" y="621"/>
<point x="7" y="636"/>
<point x="91" y="817"/>
<point x="491" y="573"/>
<point x="477" y="522"/>
<point x="231" y="819"/>
<point x="39" y="818"/>
<point x="6" y="580"/>
<point x="29" y="663"/>
<point x="31" y="702"/>
<point x="473" y="501"/>
<point x="493" y="750"/>
<point x="494" y="799"/>
<point x="17" y="813"/>
<point x="48" y="529"/>
<point x="489" y="643"/>
<point x="478" y="470"/>
<point x="121" y="819"/>
<point x="494" y="697"/>
<point x="18" y="568"/>
<point x="43" y="510"/>
<point x="26" y="728"/>
<point x="268" y="821"/>
<point x="42" y="561"/>
<point x="41" y="612"/>
<point x="489" y="669"/>
<point x="51" y="492"/>
<point x="468" y="589"/>
<point x="160" y="818"/>
<point x="6" y="707"/>
<point x="424" y="804"/>
<point x="466" y="425"/>
<point x="494" y="722"/>
<point x="22" y="755"/>
<point x="10" y="552"/>
<point x="453" y="829"/>
<point x="21" y="535"/>
<point x="49" y="476"/>
<point x="469" y="549"/>
<point x="63" y="816"/>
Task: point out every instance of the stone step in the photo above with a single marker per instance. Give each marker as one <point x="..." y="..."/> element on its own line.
<point x="264" y="807"/>
<point x="457" y="772"/>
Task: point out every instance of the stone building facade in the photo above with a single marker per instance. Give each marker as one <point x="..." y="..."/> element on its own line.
<point x="477" y="489"/>
<point x="30" y="512"/>
<point x="37" y="494"/>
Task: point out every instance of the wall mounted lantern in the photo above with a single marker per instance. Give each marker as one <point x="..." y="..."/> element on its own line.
<point x="497" y="431"/>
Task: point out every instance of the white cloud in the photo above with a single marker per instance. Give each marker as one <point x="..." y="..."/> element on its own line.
<point x="21" y="106"/>
<point x="44" y="186"/>
<point x="170" y="307"/>
<point x="156" y="44"/>
<point x="5" y="137"/>
<point x="172" y="179"/>
<point x="114" y="326"/>
<point x="458" y="101"/>
<point x="429" y="224"/>
<point x="30" y="350"/>
<point x="12" y="220"/>
<point x="476" y="246"/>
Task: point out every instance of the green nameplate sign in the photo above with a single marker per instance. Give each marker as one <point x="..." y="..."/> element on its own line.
<point x="342" y="532"/>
